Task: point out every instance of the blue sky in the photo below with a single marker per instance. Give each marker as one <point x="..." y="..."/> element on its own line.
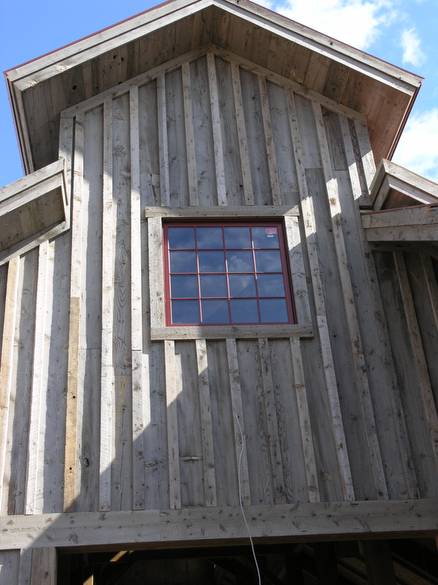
<point x="403" y="32"/>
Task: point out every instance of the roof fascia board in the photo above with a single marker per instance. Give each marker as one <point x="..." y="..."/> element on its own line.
<point x="373" y="67"/>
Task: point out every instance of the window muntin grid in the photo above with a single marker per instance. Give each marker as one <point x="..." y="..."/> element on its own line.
<point x="226" y="274"/>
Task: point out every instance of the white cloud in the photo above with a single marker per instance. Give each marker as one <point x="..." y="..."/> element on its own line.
<point x="357" y="22"/>
<point x="418" y="147"/>
<point x="411" y="45"/>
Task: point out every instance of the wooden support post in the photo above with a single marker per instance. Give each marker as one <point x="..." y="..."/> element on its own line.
<point x="326" y="563"/>
<point x="43" y="566"/>
<point x="321" y="317"/>
<point x="360" y="366"/>
<point x="378" y="560"/>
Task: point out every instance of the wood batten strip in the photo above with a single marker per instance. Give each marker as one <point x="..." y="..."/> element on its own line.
<point x="156" y="272"/>
<point x="272" y="422"/>
<point x="401" y="428"/>
<point x="288" y="84"/>
<point x="269" y="141"/>
<point x="309" y="222"/>
<point x="305" y="424"/>
<point x="163" y="140"/>
<point x="360" y="366"/>
<point x="217" y="130"/>
<point x="206" y="424"/>
<point x="138" y="398"/>
<point x="190" y="135"/>
<point x="238" y="423"/>
<point x="353" y="170"/>
<point x="431" y="286"/>
<point x="172" y="386"/>
<point x="74" y="368"/>
<point x="416" y="343"/>
<point x="298" y="273"/>
<point x="36" y="438"/>
<point x="6" y="365"/>
<point x="106" y="448"/>
<point x="65" y="151"/>
<point x="142" y="79"/>
<point x="248" y="192"/>
<point x="366" y="152"/>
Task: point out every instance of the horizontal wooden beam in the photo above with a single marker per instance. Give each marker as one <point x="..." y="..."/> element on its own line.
<point x="210" y="526"/>
<point x="222" y="212"/>
<point x="404" y="216"/>
<point x="405" y="224"/>
<point x="232" y="331"/>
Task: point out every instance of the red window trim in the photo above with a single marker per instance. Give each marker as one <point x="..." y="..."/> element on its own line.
<point x="279" y="224"/>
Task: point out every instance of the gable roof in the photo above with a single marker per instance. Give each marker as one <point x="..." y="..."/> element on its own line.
<point x="395" y="186"/>
<point x="42" y="88"/>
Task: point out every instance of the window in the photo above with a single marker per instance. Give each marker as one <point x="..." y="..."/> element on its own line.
<point x="226" y="273"/>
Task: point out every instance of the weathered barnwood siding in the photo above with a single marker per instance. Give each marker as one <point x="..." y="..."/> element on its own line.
<point x="96" y="416"/>
<point x="409" y="285"/>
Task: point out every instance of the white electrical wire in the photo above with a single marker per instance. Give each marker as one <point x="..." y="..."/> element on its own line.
<point x="242" y="509"/>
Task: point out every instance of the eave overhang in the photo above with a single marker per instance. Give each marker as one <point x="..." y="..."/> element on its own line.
<point x="41" y="89"/>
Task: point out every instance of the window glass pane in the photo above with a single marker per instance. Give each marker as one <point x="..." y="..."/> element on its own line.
<point x="215" y="312"/>
<point x="213" y="286"/>
<point x="211" y="262"/>
<point x="273" y="311"/>
<point x="242" y="286"/>
<point x="186" y="312"/>
<point x="240" y="262"/>
<point x="184" y="286"/>
<point x="265" y="237"/>
<point x="237" y="237"/>
<point x="268" y="261"/>
<point x="244" y="311"/>
<point x="209" y="237"/>
<point x="181" y="238"/>
<point x="183" y="262"/>
<point x="270" y="285"/>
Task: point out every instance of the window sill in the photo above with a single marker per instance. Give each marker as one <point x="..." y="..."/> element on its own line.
<point x="231" y="331"/>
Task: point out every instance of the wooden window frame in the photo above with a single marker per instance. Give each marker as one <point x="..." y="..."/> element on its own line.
<point x="246" y="214"/>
